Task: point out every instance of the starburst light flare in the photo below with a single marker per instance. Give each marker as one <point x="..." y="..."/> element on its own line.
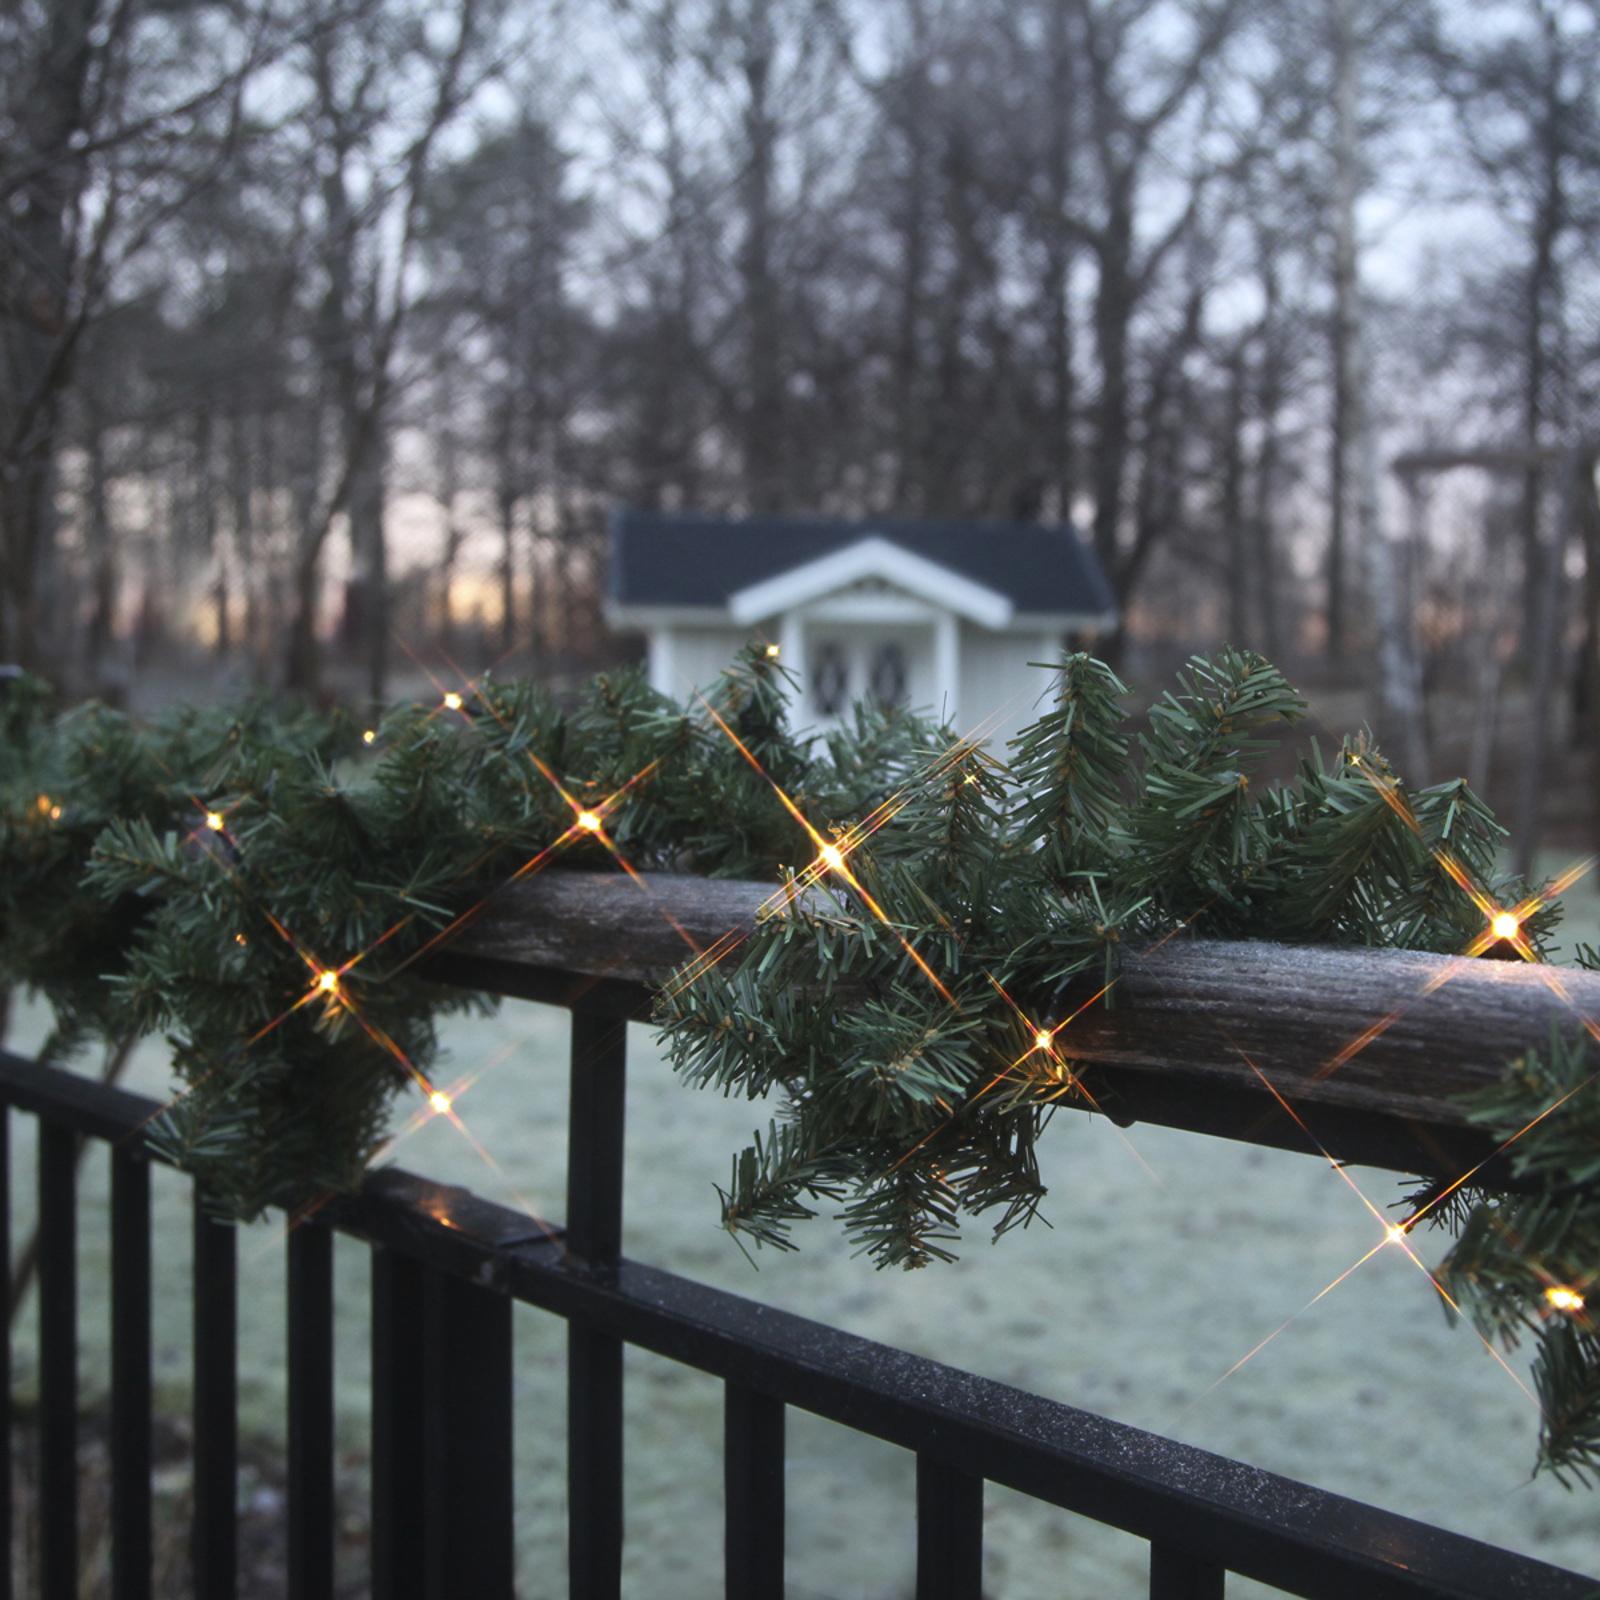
<point x="1393" y="1233"/>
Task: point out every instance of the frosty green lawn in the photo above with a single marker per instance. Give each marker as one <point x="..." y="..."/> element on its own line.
<point x="1170" y="1258"/>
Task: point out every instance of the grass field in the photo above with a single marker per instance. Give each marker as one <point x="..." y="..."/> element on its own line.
<point x="1169" y="1259"/>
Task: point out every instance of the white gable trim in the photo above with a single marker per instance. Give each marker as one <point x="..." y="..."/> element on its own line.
<point x="871" y="557"/>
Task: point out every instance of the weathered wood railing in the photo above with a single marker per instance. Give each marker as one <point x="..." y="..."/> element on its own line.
<point x="1372" y="1047"/>
<point x="1193" y="1025"/>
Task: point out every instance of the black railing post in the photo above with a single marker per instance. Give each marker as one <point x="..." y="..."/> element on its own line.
<point x="58" y="1362"/>
<point x="752" y="1465"/>
<point x="131" y="1549"/>
<point x="949" y="1532"/>
<point x="399" y="1378"/>
<point x="1176" y="1575"/>
<point x="467" y="1442"/>
<point x="594" y="1357"/>
<point x="309" y="1502"/>
<point x="214" y="1536"/>
<point x="6" y="1529"/>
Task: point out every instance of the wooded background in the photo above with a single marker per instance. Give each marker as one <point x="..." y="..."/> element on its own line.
<point x="327" y="324"/>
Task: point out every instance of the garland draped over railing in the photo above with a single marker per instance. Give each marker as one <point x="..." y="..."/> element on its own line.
<point x="263" y="885"/>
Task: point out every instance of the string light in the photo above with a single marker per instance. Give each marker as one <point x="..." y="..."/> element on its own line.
<point x="240" y="940"/>
<point x="328" y="982"/>
<point x="1395" y="1233"/>
<point x="368" y="736"/>
<point x="453" y="700"/>
<point x="214" y="821"/>
<point x="833" y="857"/>
<point x="1562" y="1298"/>
<point x="772" y="651"/>
<point x="1506" y="925"/>
<point x="1042" y="1039"/>
<point x="589" y="821"/>
<point x="55" y="813"/>
<point x="44" y="803"/>
<point x="440" y="1101"/>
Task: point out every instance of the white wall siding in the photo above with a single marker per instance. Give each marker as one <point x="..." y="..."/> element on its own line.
<point x="998" y="687"/>
<point x="694" y="658"/>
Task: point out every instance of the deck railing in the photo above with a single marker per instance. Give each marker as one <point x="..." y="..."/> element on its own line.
<point x="448" y="1266"/>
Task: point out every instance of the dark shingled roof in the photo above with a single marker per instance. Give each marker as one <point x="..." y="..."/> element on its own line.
<point x="686" y="559"/>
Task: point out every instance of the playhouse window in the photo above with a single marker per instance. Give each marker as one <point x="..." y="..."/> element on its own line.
<point x="830" y="678"/>
<point x="888" y="679"/>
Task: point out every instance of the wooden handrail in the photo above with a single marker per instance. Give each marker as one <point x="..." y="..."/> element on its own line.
<point x="1370" y="1049"/>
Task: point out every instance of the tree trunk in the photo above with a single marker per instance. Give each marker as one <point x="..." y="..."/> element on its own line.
<point x="1269" y="408"/>
<point x="908" y="421"/>
<point x="1542" y="312"/>
<point x="507" y="502"/>
<point x="37" y="326"/>
<point x="763" y="409"/>
<point x="1230" y="503"/>
<point x="101" y="547"/>
<point x="1345" y="327"/>
<point x="1059" y="167"/>
<point x="1399" y="680"/>
<point x="1116" y="297"/>
<point x="1586" y="509"/>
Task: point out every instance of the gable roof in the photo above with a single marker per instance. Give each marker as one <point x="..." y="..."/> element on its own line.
<point x="872" y="557"/>
<point x="690" y="562"/>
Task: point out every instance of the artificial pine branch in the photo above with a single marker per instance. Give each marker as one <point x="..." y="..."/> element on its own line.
<point x="1529" y="1262"/>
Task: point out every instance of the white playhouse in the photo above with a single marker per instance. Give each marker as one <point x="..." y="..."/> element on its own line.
<point x="944" y="617"/>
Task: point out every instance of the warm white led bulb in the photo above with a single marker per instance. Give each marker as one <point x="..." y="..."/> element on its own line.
<point x="1506" y="926"/>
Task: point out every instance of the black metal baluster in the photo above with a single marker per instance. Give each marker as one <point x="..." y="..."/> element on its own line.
<point x="752" y="1463"/>
<point x="467" y="1442"/>
<point x="949" y="1532"/>
<point x="1177" y="1575"/>
<point x="310" y="1455"/>
<point x="594" y="1357"/>
<point x="130" y="1376"/>
<point x="594" y="1138"/>
<point x="216" y="1407"/>
<point x="58" y="1362"/>
<point x="5" y="1356"/>
<point x="399" y="1376"/>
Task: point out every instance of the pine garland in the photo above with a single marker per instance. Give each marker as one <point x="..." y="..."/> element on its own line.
<point x="261" y="883"/>
<point x="914" y="1083"/>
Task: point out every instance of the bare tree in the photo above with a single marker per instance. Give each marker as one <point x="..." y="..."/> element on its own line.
<point x="383" y="88"/>
<point x="121" y="114"/>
